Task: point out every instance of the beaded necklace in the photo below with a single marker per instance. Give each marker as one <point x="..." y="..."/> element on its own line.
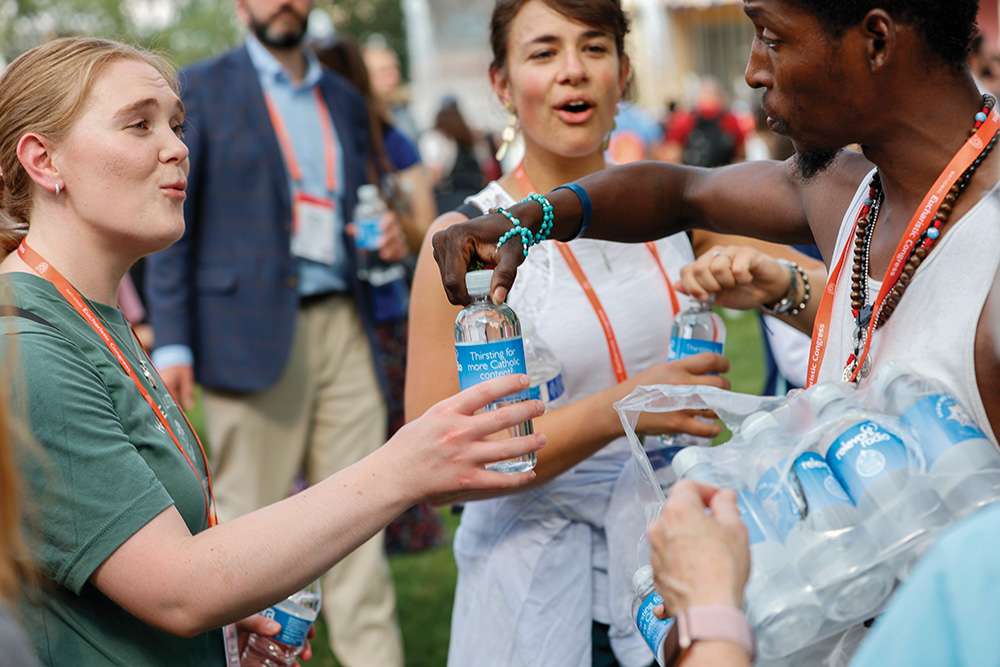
<point x="862" y="305"/>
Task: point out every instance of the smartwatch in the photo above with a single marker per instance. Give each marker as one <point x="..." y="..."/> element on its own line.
<point x="720" y="622"/>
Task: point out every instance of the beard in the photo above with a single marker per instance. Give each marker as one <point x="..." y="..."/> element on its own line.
<point x="809" y="163"/>
<point x="279" y="40"/>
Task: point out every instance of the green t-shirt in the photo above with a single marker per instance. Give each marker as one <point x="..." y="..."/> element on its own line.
<point x="106" y="468"/>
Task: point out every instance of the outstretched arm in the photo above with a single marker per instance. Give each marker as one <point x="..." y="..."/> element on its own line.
<point x="636" y="202"/>
<point x="186" y="584"/>
<point x="649" y="200"/>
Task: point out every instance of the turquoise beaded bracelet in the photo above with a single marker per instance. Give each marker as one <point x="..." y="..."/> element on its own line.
<point x="528" y="239"/>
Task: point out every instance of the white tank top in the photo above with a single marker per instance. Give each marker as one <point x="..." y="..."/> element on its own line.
<point x="934" y="326"/>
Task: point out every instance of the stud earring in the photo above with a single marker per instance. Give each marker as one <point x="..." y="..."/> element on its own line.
<point x="508" y="134"/>
<point x="57" y="189"/>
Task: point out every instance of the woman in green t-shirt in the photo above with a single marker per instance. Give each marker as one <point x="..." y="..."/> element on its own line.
<point x="94" y="173"/>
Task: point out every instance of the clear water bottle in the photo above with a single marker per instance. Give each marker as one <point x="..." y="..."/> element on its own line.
<point x="819" y="523"/>
<point x="870" y="461"/>
<point x="785" y="613"/>
<point x="653" y="630"/>
<point x="544" y="368"/>
<point x="367" y="220"/>
<point x="488" y="345"/>
<point x="296" y="615"/>
<point x="697" y="329"/>
<point x="961" y="462"/>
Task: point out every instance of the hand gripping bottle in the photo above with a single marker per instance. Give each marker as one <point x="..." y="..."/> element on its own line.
<point x="962" y="465"/>
<point x="697" y="329"/>
<point x="296" y="615"/>
<point x="488" y="345"/>
<point x="544" y="369"/>
<point x="820" y="525"/>
<point x="652" y="629"/>
<point x="871" y="462"/>
<point x="784" y="612"/>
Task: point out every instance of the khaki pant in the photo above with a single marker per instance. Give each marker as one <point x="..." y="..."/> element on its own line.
<point x="325" y="412"/>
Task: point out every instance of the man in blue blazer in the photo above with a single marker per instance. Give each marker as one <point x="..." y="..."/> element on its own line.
<point x="260" y="302"/>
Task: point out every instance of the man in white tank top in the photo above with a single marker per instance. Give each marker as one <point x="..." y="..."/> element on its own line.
<point x="920" y="195"/>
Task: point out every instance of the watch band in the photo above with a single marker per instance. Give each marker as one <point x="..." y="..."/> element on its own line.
<point x="718" y="622"/>
<point x="787" y="305"/>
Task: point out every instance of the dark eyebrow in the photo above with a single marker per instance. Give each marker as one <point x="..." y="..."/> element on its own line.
<point x="547" y="39"/>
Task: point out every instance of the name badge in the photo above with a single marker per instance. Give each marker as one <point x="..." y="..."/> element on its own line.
<point x="313" y="228"/>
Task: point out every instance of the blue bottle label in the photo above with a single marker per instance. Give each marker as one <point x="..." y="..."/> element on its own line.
<point x="779" y="498"/>
<point x="549" y="391"/>
<point x="478" y="362"/>
<point x="555" y="388"/>
<point x="652" y="629"/>
<point x="293" y="629"/>
<point x="940" y="423"/>
<point x="754" y="518"/>
<point x="367" y="233"/>
<point x="820" y="487"/>
<point x="864" y="453"/>
<point x="685" y="347"/>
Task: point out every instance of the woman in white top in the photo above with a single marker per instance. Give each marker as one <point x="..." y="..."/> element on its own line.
<point x="543" y="574"/>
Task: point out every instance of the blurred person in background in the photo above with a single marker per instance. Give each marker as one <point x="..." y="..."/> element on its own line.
<point x="455" y="155"/>
<point x="388" y="91"/>
<point x="707" y="135"/>
<point x="395" y="164"/>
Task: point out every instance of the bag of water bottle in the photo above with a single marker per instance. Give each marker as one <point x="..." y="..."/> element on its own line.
<point x="841" y="490"/>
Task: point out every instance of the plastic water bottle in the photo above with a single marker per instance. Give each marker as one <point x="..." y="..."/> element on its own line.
<point x="871" y="462"/>
<point x="367" y="220"/>
<point x="296" y="615"/>
<point x="697" y="329"/>
<point x="544" y="368"/>
<point x="820" y="525"/>
<point x="653" y="630"/>
<point x="961" y="462"/>
<point x="785" y="613"/>
<point x="488" y="345"/>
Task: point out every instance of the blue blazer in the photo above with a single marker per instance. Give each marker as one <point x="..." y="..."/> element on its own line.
<point x="229" y="288"/>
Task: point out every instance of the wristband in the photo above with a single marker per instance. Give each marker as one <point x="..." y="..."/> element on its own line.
<point x="709" y="623"/>
<point x="588" y="208"/>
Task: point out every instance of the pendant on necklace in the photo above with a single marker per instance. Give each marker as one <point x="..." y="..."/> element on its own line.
<point x="146" y="373"/>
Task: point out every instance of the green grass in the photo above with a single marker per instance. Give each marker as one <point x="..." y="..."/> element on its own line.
<point x="425" y="582"/>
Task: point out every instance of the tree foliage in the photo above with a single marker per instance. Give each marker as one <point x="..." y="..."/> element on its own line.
<point x="188" y="30"/>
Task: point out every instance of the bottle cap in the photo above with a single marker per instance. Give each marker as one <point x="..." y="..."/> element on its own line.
<point x="688" y="458"/>
<point x="478" y="282"/>
<point x="757" y="423"/>
<point x="367" y="192"/>
<point x="642" y="575"/>
<point x="825" y="395"/>
<point x="884" y="378"/>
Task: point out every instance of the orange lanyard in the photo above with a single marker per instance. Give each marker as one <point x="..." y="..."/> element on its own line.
<point x="925" y="213"/>
<point x="285" y="141"/>
<point x="617" y="362"/>
<point x="68" y="292"/>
